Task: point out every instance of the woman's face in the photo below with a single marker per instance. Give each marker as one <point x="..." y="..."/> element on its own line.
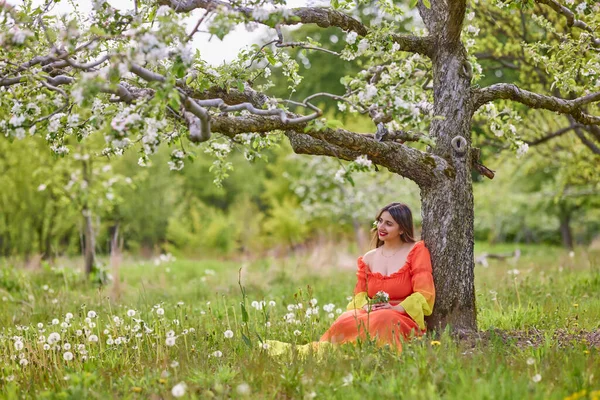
<point x="387" y="228"/>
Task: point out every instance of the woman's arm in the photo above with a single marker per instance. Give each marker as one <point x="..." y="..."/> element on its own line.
<point x="420" y="302"/>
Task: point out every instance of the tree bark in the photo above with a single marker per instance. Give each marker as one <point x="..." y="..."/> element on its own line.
<point x="565" y="227"/>
<point x="90" y="242"/>
<point x="447" y="205"/>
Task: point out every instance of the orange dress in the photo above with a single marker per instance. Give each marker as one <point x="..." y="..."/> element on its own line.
<point x="411" y="286"/>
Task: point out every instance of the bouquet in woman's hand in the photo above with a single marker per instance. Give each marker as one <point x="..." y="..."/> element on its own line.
<point x="380" y="297"/>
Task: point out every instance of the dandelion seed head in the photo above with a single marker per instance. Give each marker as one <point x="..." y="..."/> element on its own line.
<point x="178" y="390"/>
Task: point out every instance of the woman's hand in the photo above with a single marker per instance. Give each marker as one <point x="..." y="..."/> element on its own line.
<point x="386" y="306"/>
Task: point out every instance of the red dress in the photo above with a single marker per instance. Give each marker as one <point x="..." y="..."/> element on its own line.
<point x="411" y="286"/>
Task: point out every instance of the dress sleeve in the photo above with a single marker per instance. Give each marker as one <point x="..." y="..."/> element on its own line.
<point x="361" y="297"/>
<point x="420" y="302"/>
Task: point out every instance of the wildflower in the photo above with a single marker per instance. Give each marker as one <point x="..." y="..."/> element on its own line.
<point x="18" y="345"/>
<point x="170" y="334"/>
<point x="68" y="356"/>
<point x="46" y="346"/>
<point x="265" y="346"/>
<point x="530" y="361"/>
<point x="174" y="364"/>
<point x="536" y="378"/>
<point x="93" y="338"/>
<point x="297" y="333"/>
<point x="170" y="341"/>
<point x="217" y="354"/>
<point x="178" y="390"/>
<point x="228" y="334"/>
<point x="23" y="362"/>
<point x="53" y="338"/>
<point x="575" y="305"/>
<point x="272" y="303"/>
<point x="435" y="343"/>
<point x="67" y="346"/>
<point x="79" y="332"/>
<point x="313" y="302"/>
<point x="160" y="311"/>
<point x="68" y="316"/>
<point x="40" y="325"/>
<point x="347" y="380"/>
<point x="243" y="389"/>
<point x="130" y="313"/>
<point x="110" y="341"/>
<point x="55" y="321"/>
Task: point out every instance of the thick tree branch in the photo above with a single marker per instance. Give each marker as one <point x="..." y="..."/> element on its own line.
<point x="322" y="17"/>
<point x="571" y="20"/>
<point x="535" y="100"/>
<point x="423" y="168"/>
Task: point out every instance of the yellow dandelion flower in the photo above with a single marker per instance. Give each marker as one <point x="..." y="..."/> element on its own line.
<point x="586" y="352"/>
<point x="575" y="305"/>
<point x="136" y="389"/>
<point x="435" y="343"/>
<point x="162" y="380"/>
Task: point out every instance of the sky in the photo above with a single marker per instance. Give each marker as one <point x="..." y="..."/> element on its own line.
<point x="212" y="49"/>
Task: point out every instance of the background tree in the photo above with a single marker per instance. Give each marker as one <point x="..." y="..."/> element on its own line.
<point x="134" y="79"/>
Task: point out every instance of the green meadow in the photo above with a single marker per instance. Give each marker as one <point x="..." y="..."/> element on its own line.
<point x="198" y="329"/>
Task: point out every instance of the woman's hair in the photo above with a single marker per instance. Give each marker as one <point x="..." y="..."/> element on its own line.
<point x="403" y="217"/>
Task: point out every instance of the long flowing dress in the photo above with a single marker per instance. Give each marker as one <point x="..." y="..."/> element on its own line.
<point x="411" y="287"/>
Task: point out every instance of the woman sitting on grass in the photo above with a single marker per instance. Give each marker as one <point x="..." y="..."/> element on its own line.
<point x="394" y="290"/>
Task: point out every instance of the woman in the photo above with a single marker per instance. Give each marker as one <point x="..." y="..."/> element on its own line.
<point x="398" y="266"/>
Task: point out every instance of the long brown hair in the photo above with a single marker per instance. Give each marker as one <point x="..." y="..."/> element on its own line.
<point x="403" y="217"/>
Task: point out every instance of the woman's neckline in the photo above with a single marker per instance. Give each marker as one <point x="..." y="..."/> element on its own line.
<point x="399" y="271"/>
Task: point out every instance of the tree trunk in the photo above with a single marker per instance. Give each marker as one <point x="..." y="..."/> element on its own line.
<point x="565" y="227"/>
<point x="448" y="233"/>
<point x="447" y="204"/>
<point x="90" y="243"/>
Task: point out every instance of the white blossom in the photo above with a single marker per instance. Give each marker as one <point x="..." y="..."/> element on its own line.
<point x="351" y="37"/>
<point x="522" y="149"/>
<point x="260" y="13"/>
<point x="363" y="161"/>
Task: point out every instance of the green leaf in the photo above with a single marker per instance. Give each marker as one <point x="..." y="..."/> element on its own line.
<point x="334" y="124"/>
<point x="240" y="85"/>
<point x="427" y="3"/>
<point x="246" y="340"/>
<point x="413" y="3"/>
<point x="244" y="313"/>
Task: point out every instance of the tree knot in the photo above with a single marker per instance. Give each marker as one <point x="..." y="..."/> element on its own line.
<point x="459" y="144"/>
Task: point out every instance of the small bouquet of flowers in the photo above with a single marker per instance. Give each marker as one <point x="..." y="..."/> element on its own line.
<point x="380" y="297"/>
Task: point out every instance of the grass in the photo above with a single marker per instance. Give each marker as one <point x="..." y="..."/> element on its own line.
<point x="551" y="293"/>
